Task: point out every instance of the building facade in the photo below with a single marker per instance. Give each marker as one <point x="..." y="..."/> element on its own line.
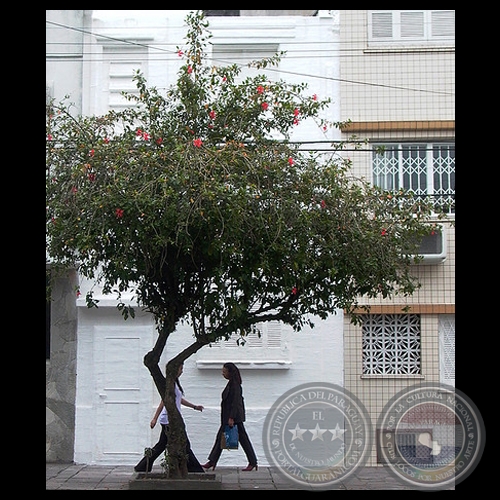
<point x="115" y="396"/>
<point x="395" y="98"/>
<point x="398" y="90"/>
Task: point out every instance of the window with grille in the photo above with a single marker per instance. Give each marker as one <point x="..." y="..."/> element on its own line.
<point x="411" y="27"/>
<point x="391" y="344"/>
<point x="428" y="170"/>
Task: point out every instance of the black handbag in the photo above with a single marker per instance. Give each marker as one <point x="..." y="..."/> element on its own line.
<point x="229" y="439"/>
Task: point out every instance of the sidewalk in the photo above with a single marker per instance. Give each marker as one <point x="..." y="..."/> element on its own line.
<point x="117" y="477"/>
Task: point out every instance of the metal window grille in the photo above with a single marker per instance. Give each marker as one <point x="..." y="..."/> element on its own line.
<point x="424" y="169"/>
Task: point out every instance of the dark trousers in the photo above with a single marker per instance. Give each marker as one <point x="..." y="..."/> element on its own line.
<point x="243" y="439"/>
<point x="159" y="448"/>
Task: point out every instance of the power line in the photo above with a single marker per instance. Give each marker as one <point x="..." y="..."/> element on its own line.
<point x="275" y="70"/>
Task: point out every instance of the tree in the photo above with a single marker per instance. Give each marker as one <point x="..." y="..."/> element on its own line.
<point x="199" y="201"/>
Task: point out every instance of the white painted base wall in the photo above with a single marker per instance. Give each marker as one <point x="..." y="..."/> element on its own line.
<point x="116" y="398"/>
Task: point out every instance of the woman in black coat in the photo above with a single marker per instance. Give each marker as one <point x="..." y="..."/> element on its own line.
<point x="232" y="413"/>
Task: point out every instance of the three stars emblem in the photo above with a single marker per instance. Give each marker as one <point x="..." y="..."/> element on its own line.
<point x="317" y="433"/>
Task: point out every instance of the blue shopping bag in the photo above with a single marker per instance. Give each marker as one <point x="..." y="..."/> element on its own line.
<point x="229" y="440"/>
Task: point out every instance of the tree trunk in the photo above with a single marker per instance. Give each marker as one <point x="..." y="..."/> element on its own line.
<point x="177" y="456"/>
<point x="176" y="432"/>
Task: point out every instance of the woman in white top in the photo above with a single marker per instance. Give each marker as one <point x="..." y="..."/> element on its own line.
<point x="147" y="462"/>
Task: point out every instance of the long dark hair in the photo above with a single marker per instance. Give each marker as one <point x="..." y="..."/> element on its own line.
<point x="179" y="385"/>
<point x="234" y="373"/>
<point x="177" y="382"/>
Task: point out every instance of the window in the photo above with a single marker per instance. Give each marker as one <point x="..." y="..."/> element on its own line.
<point x="269" y="350"/>
<point x="411" y="27"/>
<point x="425" y="169"/>
<point x="391" y="344"/>
<point x="121" y="63"/>
<point x="242" y="54"/>
<point x="447" y="348"/>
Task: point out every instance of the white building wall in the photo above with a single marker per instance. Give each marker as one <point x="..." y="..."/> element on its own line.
<point x="116" y="397"/>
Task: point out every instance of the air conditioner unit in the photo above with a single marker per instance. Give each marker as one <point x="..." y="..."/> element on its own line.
<point x="433" y="247"/>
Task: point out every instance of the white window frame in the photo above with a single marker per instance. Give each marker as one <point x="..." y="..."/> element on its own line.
<point x="120" y="63"/>
<point x="411" y="27"/>
<point x="224" y="54"/>
<point x="267" y="349"/>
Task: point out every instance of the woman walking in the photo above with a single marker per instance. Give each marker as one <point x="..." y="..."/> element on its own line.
<point x="146" y="464"/>
<point x="232" y="413"/>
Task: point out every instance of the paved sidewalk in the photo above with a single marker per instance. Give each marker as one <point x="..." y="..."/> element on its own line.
<point x="116" y="477"/>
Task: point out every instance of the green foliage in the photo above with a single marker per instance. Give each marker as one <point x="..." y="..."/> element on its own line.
<point x="197" y="198"/>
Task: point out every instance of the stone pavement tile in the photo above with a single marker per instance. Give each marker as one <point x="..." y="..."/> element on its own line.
<point x="52" y="484"/>
<point x="88" y="477"/>
<point x="76" y="486"/>
<point x="229" y="479"/>
<point x="104" y="485"/>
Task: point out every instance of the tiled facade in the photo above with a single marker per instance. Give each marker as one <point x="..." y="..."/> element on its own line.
<point x="402" y="94"/>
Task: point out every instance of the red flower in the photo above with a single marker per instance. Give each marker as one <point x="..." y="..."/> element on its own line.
<point x="383" y="232"/>
<point x="106" y="140"/>
<point x="159" y="140"/>
<point x="190" y="70"/>
<point x="296" y="112"/>
<point x="294" y="290"/>
<point x="141" y="133"/>
<point x="290" y="161"/>
<point x="315" y="97"/>
<point x="323" y="204"/>
<point x="212" y="114"/>
<point x="49" y="137"/>
<point x="91" y="152"/>
<point x="180" y="53"/>
<point x="260" y="89"/>
<point x="119" y="213"/>
<point x="197" y="142"/>
<point x="264" y="105"/>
